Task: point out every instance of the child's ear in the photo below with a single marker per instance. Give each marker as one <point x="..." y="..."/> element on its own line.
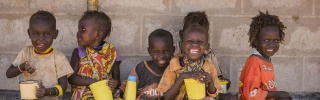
<point x="208" y="46"/>
<point x="181" y="34"/>
<point x="181" y="48"/>
<point x="255" y="43"/>
<point x="173" y="50"/>
<point x="149" y="50"/>
<point x="55" y="35"/>
<point x="100" y="33"/>
<point x="29" y="33"/>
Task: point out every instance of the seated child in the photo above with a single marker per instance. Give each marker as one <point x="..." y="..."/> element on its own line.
<point x="95" y="59"/>
<point x="190" y="65"/>
<point x="201" y="19"/>
<point x="149" y="73"/>
<point x="40" y="61"/>
<point x="257" y="76"/>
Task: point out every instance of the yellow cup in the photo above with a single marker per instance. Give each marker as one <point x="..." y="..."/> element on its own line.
<point x="195" y="90"/>
<point x="131" y="88"/>
<point x="28" y="89"/>
<point x="101" y="91"/>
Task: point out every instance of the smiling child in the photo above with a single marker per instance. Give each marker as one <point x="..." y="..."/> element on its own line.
<point x="40" y="61"/>
<point x="257" y="76"/>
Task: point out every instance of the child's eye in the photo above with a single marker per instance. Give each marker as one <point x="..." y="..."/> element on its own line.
<point x="81" y="29"/>
<point x="155" y="52"/>
<point x="33" y="33"/>
<point x="266" y="40"/>
<point x="189" y="42"/>
<point x="47" y="33"/>
<point x="200" y="42"/>
<point x="277" y="40"/>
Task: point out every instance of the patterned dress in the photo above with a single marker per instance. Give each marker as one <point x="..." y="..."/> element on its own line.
<point x="94" y="64"/>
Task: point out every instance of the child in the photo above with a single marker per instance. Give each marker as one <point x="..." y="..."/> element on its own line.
<point x="40" y="61"/>
<point x="201" y="19"/>
<point x="190" y="65"/>
<point x="257" y="76"/>
<point x="149" y="73"/>
<point x="95" y="59"/>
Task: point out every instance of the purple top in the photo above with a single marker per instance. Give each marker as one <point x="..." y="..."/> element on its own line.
<point x="82" y="53"/>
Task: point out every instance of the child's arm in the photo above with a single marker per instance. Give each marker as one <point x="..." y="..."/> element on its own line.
<point x="75" y="79"/>
<point x="115" y="75"/>
<point x="174" y="90"/>
<point x="15" y="71"/>
<point x="207" y="78"/>
<point x="63" y="82"/>
<point x="278" y="95"/>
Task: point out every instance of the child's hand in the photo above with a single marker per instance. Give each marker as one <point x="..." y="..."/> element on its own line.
<point x="41" y="91"/>
<point x="283" y="95"/>
<point x="122" y="87"/>
<point x="26" y="66"/>
<point x="116" y="94"/>
<point x="186" y="75"/>
<point x="205" y="77"/>
<point x="112" y="83"/>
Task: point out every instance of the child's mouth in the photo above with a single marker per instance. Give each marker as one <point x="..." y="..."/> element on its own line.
<point x="270" y="50"/>
<point x="194" y="51"/>
<point x="40" y="45"/>
<point x="161" y="62"/>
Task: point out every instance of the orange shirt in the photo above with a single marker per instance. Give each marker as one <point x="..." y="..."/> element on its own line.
<point x="257" y="78"/>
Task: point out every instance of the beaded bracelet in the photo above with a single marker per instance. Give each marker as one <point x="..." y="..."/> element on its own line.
<point x="50" y="93"/>
<point x="56" y="91"/>
<point x="20" y="69"/>
<point x="59" y="88"/>
<point x="214" y="94"/>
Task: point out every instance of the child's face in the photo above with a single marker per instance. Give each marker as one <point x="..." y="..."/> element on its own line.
<point x="42" y="34"/>
<point x="194" y="45"/>
<point x="87" y="33"/>
<point x="268" y="41"/>
<point x="161" y="51"/>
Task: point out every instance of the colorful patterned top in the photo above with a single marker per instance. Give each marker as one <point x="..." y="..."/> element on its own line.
<point x="179" y="65"/>
<point x="95" y="64"/>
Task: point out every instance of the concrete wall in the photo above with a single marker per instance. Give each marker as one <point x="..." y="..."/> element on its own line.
<point x="297" y="64"/>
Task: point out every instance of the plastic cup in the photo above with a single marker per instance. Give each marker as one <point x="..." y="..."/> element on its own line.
<point x="195" y="90"/>
<point x="101" y="91"/>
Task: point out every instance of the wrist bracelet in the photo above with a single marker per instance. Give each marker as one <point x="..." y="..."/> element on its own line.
<point x="56" y="91"/>
<point x="213" y="94"/>
<point x="20" y="69"/>
<point x="59" y="90"/>
<point x="50" y="92"/>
